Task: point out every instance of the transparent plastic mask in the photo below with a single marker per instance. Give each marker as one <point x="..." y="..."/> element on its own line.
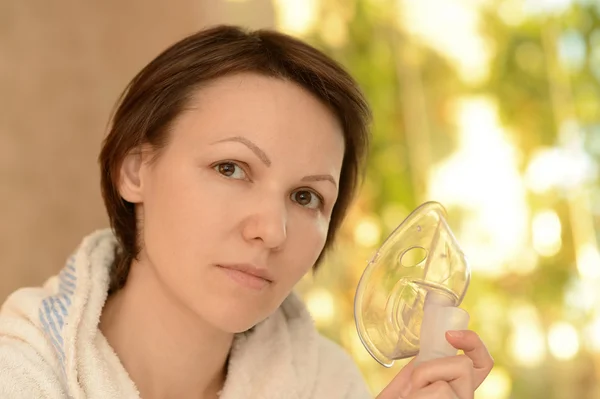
<point x="419" y="257"/>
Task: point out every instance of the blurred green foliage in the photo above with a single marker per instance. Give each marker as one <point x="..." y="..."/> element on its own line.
<point x="545" y="77"/>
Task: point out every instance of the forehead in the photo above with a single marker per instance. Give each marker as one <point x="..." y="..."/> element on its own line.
<point x="276" y="114"/>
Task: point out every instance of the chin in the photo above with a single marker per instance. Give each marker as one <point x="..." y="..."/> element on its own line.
<point x="235" y="322"/>
<point x="235" y="316"/>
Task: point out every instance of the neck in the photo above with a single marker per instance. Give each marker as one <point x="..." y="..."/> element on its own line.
<point x="168" y="351"/>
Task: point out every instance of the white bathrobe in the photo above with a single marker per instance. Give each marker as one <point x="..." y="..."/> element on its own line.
<point x="51" y="347"/>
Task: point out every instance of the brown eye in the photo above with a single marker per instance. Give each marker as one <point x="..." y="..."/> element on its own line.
<point x="307" y="199"/>
<point x="227" y="169"/>
<point x="230" y="169"/>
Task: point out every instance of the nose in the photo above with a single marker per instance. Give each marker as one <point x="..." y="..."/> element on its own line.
<point x="267" y="224"/>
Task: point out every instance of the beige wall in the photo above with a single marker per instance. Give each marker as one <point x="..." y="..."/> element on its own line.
<point x="62" y="65"/>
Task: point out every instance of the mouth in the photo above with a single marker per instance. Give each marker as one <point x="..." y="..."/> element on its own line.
<point x="248" y="275"/>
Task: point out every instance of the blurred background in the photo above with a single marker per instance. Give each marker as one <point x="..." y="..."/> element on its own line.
<point x="491" y="107"/>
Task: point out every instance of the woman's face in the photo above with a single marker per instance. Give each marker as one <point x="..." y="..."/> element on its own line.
<point x="236" y="208"/>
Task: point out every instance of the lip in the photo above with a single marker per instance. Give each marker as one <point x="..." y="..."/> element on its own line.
<point x="248" y="275"/>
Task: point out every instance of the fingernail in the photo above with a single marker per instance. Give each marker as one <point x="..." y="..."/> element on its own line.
<point x="455" y="334"/>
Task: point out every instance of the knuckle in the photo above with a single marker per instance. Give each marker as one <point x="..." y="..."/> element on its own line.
<point x="466" y="363"/>
<point x="442" y="390"/>
<point x="472" y="334"/>
<point x="419" y="374"/>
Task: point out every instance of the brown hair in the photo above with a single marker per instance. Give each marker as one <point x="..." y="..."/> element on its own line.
<point x="161" y="90"/>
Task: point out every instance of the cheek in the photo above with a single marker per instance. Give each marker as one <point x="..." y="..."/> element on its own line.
<point x="169" y="210"/>
<point x="305" y="244"/>
<point x="183" y="199"/>
<point x="176" y="221"/>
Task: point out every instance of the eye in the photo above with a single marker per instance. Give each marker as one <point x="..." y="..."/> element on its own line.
<point x="231" y="170"/>
<point x="307" y="199"/>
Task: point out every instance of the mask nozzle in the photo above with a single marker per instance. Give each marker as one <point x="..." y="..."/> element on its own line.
<point x="439" y="316"/>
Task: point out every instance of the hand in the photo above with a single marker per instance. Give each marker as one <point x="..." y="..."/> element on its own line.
<point x="455" y="377"/>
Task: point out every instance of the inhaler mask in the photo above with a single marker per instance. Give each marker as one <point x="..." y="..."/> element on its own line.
<point x="408" y="296"/>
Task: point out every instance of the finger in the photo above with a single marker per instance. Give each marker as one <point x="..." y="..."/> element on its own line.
<point x="438" y="390"/>
<point x="400" y="384"/>
<point x="471" y="344"/>
<point x="456" y="371"/>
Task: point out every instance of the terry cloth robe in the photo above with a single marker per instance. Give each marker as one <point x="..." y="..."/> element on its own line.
<point x="51" y="347"/>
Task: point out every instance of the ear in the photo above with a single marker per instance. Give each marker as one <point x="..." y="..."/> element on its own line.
<point x="130" y="179"/>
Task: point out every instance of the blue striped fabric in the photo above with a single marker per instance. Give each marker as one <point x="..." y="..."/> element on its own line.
<point x="54" y="310"/>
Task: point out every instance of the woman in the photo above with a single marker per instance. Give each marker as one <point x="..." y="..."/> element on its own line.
<point x="231" y="161"/>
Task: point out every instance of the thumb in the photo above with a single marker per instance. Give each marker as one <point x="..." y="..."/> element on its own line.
<point x="400" y="384"/>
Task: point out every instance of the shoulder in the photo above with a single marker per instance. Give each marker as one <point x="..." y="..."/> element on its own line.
<point x="26" y="374"/>
<point x="339" y="370"/>
<point x="28" y="365"/>
<point x="317" y="358"/>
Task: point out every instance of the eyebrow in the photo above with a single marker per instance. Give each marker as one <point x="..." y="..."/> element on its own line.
<point x="253" y="147"/>
<point x="265" y="159"/>
<point x="328" y="178"/>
